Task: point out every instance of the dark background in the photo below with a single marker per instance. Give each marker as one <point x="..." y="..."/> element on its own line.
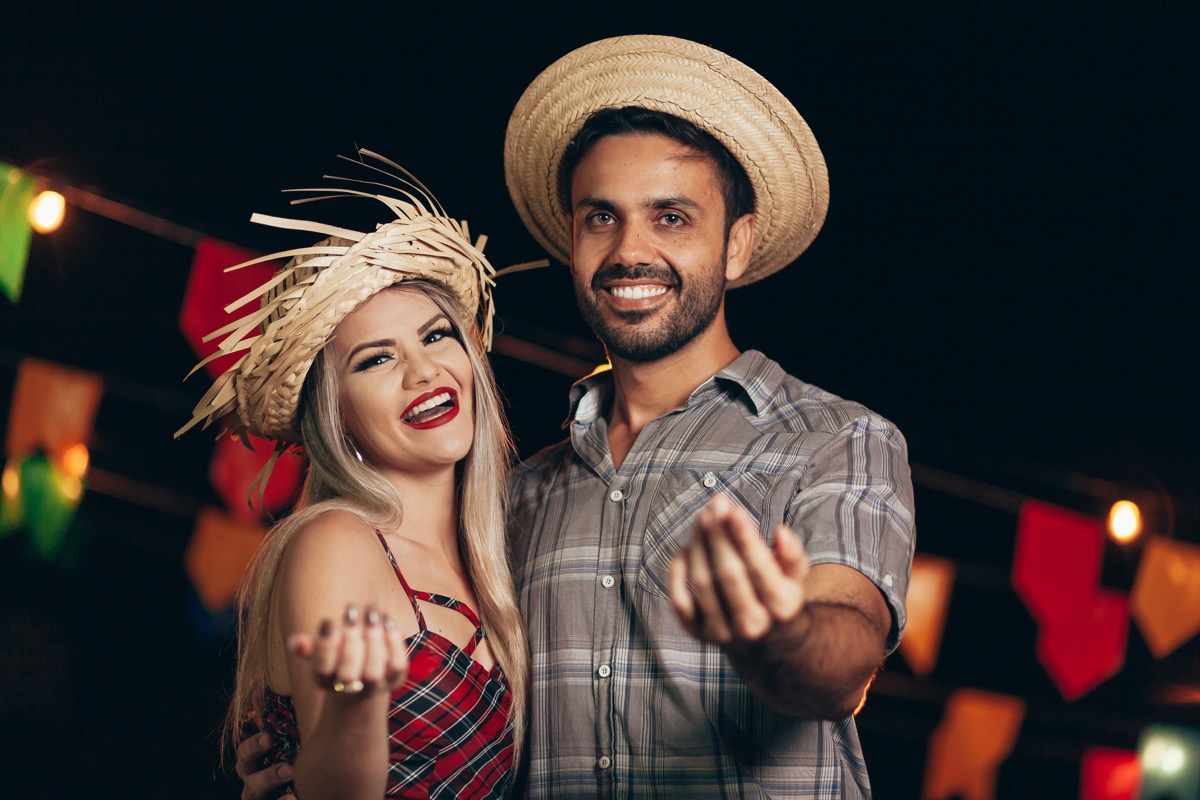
<point x="1008" y="271"/>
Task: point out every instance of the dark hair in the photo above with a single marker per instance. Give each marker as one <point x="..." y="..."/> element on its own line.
<point x="735" y="185"/>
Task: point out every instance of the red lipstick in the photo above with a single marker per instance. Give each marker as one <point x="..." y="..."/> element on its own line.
<point x="435" y="415"/>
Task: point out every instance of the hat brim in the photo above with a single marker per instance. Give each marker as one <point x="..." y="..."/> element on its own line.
<point x="706" y="87"/>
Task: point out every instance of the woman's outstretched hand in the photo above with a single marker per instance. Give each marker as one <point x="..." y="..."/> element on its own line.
<point x="358" y="656"/>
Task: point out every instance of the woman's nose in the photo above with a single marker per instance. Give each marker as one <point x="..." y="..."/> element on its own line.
<point x="420" y="370"/>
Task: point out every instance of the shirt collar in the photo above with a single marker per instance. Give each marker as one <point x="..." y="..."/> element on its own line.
<point x="757" y="376"/>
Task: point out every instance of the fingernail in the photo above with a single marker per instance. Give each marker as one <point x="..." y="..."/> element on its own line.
<point x="326" y="628"/>
<point x="285" y="772"/>
<point x="389" y="624"/>
<point x="264" y="739"/>
<point x="351" y="615"/>
<point x="372" y="616"/>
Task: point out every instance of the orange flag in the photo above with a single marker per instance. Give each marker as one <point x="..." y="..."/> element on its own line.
<point x="1165" y="601"/>
<point x="977" y="732"/>
<point x="53" y="408"/>
<point x="217" y="555"/>
<point x="927" y="603"/>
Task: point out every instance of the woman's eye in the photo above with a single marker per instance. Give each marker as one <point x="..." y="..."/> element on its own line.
<point x="439" y="334"/>
<point x="371" y="361"/>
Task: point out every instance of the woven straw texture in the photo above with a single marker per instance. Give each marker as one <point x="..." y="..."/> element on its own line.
<point x="303" y="303"/>
<point x="719" y="94"/>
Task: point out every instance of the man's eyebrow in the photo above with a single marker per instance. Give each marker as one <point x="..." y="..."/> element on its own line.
<point x="677" y="201"/>
<point x="674" y="201"/>
<point x="598" y="203"/>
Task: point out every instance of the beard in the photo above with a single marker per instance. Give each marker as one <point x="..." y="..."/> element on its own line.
<point x="630" y="335"/>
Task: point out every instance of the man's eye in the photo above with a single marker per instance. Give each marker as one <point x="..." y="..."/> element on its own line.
<point x="600" y="218"/>
<point x="672" y="220"/>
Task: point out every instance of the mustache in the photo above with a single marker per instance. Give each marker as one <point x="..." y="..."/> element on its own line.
<point x="620" y="272"/>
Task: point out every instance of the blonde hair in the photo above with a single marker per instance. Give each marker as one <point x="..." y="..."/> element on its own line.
<point x="338" y="480"/>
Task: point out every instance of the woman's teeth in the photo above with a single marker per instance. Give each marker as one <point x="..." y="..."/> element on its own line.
<point x="431" y="403"/>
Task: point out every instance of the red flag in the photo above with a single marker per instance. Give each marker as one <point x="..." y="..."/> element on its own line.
<point x="210" y="289"/>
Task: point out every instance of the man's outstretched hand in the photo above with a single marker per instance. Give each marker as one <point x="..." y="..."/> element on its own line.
<point x="728" y="586"/>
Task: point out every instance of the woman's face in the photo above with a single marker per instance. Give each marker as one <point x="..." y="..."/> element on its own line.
<point x="405" y="384"/>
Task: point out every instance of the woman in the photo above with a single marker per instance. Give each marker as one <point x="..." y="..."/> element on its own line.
<point x="359" y="647"/>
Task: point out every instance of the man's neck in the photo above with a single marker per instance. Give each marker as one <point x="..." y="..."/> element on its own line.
<point x="645" y="391"/>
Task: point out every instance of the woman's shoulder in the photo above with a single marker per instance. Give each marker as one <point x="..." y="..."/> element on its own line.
<point x="332" y="536"/>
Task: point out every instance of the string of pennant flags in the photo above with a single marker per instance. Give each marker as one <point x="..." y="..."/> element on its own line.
<point x="1083" y="627"/>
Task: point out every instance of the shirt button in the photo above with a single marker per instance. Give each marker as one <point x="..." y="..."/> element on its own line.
<point x="605" y="762"/>
<point x="710" y="480"/>
<point x="616" y="495"/>
<point x="604" y="671"/>
<point x="608" y="581"/>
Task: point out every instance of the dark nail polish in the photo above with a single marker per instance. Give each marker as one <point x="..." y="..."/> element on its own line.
<point x="326" y="628"/>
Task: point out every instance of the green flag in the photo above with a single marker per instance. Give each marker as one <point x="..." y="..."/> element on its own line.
<point x="16" y="193"/>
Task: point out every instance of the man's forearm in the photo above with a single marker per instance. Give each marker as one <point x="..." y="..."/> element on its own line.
<point x="816" y="666"/>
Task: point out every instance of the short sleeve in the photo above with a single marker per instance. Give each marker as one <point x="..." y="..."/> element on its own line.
<point x="854" y="506"/>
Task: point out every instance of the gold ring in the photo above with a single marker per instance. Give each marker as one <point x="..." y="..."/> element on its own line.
<point x="353" y="687"/>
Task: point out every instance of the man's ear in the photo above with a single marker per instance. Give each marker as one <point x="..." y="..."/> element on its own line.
<point x="739" y="246"/>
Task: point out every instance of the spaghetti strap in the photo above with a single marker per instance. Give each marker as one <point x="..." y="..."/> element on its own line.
<point x="412" y="596"/>
<point x="442" y="600"/>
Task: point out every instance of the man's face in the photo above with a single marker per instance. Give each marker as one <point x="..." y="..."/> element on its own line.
<point x="648" y="246"/>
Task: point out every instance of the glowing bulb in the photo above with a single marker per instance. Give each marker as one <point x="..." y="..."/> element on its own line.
<point x="1172" y="760"/>
<point x="1124" y="521"/>
<point x="1163" y="756"/>
<point x="1152" y="756"/>
<point x="75" y="460"/>
<point x="72" y="487"/>
<point x="11" y="481"/>
<point x="46" y="212"/>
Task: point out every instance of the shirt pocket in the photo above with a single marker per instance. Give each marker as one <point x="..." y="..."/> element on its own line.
<point x="678" y="500"/>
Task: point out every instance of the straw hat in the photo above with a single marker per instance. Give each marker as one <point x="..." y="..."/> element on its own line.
<point x="719" y="94"/>
<point x="304" y="302"/>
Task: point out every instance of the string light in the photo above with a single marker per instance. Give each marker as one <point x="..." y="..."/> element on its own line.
<point x="75" y="460"/>
<point x="46" y="212"/>
<point x="11" y="481"/>
<point x="1124" y="521"/>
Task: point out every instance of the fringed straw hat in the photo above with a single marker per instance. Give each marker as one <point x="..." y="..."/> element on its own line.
<point x="717" y="93"/>
<point x="304" y="302"/>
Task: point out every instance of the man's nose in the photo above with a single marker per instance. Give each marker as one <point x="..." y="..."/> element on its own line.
<point x="634" y="246"/>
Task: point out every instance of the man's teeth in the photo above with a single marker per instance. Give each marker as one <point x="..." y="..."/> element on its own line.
<point x="432" y="402"/>
<point x="638" y="292"/>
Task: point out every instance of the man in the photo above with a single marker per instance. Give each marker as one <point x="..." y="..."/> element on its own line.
<point x="714" y="564"/>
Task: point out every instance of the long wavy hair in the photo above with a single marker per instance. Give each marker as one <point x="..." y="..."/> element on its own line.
<point x="338" y="480"/>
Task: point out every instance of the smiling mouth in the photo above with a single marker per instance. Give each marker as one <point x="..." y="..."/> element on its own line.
<point x="431" y="409"/>
<point x="638" y="292"/>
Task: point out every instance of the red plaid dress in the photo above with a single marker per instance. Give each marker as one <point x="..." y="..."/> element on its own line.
<point x="448" y="725"/>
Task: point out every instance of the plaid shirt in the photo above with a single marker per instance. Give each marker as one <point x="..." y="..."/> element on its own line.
<point x="625" y="703"/>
